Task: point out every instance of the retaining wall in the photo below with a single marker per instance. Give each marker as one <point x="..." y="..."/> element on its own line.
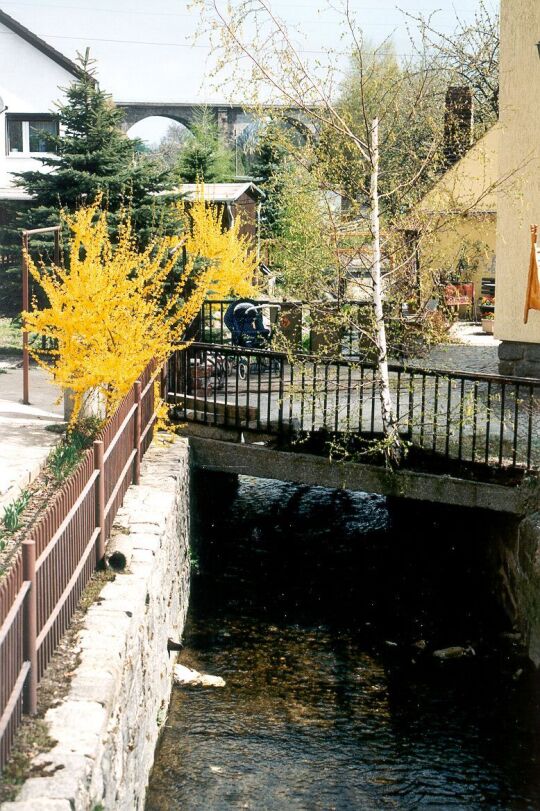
<point x="107" y="727"/>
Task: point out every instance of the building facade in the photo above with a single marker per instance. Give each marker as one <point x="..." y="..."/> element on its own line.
<point x="31" y="75"/>
<point x="519" y="164"/>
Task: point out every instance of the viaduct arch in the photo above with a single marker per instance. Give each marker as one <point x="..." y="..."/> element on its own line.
<point x="229" y="117"/>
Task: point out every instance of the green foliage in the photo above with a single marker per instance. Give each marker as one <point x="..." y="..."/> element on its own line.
<point x="408" y="102"/>
<point x="170" y="146"/>
<point x="203" y="157"/>
<point x="64" y="458"/>
<point x="13" y="511"/>
<point x="303" y="250"/>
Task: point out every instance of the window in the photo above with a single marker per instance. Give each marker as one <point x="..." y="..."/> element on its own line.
<point x="15" y="136"/>
<point x="28" y="134"/>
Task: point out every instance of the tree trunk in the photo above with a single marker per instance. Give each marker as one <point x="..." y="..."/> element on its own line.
<point x="392" y="445"/>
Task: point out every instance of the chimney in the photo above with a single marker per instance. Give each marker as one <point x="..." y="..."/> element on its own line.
<point x="458" y="123"/>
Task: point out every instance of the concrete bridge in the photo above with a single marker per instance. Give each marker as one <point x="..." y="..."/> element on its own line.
<point x="473" y="440"/>
<point x="231" y="119"/>
<point x="473" y="449"/>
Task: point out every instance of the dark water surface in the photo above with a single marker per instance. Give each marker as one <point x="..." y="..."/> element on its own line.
<point x="322" y="619"/>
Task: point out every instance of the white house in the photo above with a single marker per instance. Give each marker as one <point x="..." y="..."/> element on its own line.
<point x="31" y="73"/>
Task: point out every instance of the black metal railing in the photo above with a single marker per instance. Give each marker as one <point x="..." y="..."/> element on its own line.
<point x="297" y="321"/>
<point x="476" y="418"/>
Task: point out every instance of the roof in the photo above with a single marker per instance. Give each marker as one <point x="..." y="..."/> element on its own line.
<point x="219" y="192"/>
<point x="40" y="44"/>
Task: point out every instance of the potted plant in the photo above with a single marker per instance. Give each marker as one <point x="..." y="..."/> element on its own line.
<point x="488" y="318"/>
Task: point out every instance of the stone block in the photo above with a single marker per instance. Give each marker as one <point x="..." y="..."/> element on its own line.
<point x="532" y="353"/>
<point x="527" y="368"/>
<point x="38" y="805"/>
<point x="511" y="350"/>
<point x="145" y="541"/>
<point x="506" y="367"/>
<point x="77" y="725"/>
<point x="142" y="556"/>
<point x="93" y="685"/>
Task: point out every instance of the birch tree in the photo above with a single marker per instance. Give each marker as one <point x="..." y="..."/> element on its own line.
<point x="255" y="49"/>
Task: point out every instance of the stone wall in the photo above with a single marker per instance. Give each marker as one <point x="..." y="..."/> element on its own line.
<point x="107" y="727"/>
<point x="517" y="565"/>
<point x="519" y="358"/>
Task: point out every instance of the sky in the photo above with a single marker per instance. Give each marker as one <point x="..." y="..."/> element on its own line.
<point x="146" y="50"/>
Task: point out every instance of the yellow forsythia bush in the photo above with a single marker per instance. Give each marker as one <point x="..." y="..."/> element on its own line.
<point x="226" y="251"/>
<point x="111" y="310"/>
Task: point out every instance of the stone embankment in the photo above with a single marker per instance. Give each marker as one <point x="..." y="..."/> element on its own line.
<point x="107" y="728"/>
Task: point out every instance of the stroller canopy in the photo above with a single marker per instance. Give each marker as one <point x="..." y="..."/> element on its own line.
<point x="244" y="319"/>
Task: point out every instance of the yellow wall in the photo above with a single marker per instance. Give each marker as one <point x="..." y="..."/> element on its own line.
<point x="469" y="185"/>
<point x="519" y="159"/>
<point x="452" y="237"/>
<point x="457" y="218"/>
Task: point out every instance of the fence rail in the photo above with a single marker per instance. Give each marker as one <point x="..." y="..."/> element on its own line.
<point x="478" y="418"/>
<point x="49" y="571"/>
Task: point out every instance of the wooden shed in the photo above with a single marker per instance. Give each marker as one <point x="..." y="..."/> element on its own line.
<point x="237" y="200"/>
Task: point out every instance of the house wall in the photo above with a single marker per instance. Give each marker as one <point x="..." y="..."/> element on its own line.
<point x="29" y="83"/>
<point x="519" y="157"/>
<point x="448" y="240"/>
<point x="457" y="218"/>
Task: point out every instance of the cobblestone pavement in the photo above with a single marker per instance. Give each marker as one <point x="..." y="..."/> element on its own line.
<point x="472" y="351"/>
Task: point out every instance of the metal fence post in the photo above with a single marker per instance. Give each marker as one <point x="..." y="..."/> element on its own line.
<point x="100" y="499"/>
<point x="26" y="308"/>
<point x="164" y="377"/>
<point x="137" y="434"/>
<point x="30" y="627"/>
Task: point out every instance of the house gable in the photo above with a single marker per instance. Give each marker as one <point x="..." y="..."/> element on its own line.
<point x="36" y="42"/>
<point x="470" y="186"/>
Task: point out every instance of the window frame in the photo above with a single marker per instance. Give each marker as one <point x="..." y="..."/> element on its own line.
<point x="26" y="119"/>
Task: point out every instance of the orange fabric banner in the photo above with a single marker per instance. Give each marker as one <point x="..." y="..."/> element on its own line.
<point x="532" y="300"/>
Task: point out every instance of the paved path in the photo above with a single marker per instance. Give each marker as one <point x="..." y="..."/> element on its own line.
<point x="473" y="351"/>
<point x="25" y="441"/>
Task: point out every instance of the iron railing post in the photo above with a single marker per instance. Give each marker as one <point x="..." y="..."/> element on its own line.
<point x="30" y="627"/>
<point x="137" y="434"/>
<point x="26" y="308"/>
<point x="99" y="465"/>
<point x="163" y="381"/>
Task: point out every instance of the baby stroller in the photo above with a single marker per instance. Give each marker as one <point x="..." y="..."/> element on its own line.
<point x="244" y="320"/>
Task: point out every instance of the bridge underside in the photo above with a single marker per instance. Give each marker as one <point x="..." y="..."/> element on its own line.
<point x="212" y="449"/>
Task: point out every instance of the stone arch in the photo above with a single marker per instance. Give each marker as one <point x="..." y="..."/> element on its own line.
<point x="134" y="113"/>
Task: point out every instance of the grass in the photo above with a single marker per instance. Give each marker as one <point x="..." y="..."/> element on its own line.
<point x="10" y="336"/>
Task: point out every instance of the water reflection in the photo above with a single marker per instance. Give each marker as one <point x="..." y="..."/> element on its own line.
<point x="329" y="704"/>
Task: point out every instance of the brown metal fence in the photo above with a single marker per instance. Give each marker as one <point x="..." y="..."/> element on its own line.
<point x="40" y="592"/>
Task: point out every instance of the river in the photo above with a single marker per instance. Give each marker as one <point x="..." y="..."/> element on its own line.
<point x="322" y="618"/>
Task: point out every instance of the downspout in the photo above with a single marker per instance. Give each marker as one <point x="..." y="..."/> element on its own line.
<point x="259" y="207"/>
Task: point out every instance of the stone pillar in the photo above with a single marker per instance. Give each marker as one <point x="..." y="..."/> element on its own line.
<point x="226" y="119"/>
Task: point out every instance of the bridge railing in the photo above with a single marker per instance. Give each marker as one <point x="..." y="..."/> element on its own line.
<point x="477" y="418"/>
<point x="298" y="322"/>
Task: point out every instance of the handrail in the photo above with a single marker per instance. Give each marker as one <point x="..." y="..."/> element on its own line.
<point x="393" y="366"/>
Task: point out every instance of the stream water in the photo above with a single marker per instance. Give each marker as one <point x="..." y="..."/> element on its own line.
<point x="323" y="618"/>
